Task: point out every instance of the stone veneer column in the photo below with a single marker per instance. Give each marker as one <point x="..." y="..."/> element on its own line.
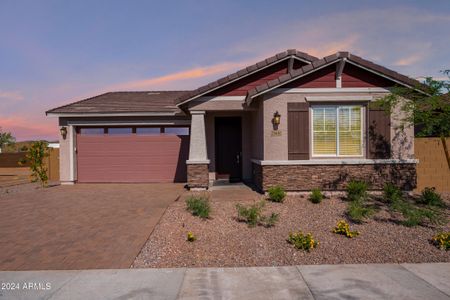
<point x="197" y="165"/>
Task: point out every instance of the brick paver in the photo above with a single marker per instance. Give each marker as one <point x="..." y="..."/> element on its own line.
<point x="84" y="226"/>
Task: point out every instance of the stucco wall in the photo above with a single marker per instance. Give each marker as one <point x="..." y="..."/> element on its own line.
<point x="276" y="146"/>
<point x="65" y="148"/>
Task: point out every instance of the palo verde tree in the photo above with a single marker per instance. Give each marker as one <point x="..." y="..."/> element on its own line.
<point x="35" y="156"/>
<point x="427" y="108"/>
<point x="6" y="138"/>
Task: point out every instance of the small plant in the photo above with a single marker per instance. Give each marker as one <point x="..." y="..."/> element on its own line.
<point x="302" y="241"/>
<point x="357" y="211"/>
<point x="391" y="193"/>
<point x="316" y="196"/>
<point x="442" y="240"/>
<point x="343" y="228"/>
<point x="276" y="194"/>
<point x="198" y="206"/>
<point x="430" y="197"/>
<point x="191" y="237"/>
<point x="416" y="215"/>
<point x="36" y="155"/>
<point x="252" y="215"/>
<point x="357" y="190"/>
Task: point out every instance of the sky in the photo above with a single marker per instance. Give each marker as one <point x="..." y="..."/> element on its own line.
<point x="56" y="52"/>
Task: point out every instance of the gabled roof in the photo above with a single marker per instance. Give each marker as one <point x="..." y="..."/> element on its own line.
<point x="328" y="60"/>
<point x="123" y="102"/>
<point x="245" y="72"/>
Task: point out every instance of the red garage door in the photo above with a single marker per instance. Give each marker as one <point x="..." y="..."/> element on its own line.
<point x="132" y="154"/>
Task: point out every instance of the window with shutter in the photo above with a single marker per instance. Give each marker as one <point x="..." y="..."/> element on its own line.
<point x="337" y="130"/>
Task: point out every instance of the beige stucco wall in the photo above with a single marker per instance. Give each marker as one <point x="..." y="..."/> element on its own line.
<point x="276" y="146"/>
<point x="246" y="137"/>
<point x="65" y="148"/>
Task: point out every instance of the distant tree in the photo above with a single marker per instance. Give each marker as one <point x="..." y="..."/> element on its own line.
<point x="429" y="112"/>
<point x="6" y="138"/>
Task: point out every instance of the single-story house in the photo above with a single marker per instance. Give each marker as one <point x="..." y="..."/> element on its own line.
<point x="292" y="120"/>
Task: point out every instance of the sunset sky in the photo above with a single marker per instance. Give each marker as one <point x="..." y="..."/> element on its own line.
<point x="57" y="52"/>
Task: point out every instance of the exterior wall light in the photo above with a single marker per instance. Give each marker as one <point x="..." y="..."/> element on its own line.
<point x="276" y="118"/>
<point x="63" y="131"/>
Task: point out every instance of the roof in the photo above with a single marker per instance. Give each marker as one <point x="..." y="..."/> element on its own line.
<point x="123" y="102"/>
<point x="328" y="60"/>
<point x="244" y="72"/>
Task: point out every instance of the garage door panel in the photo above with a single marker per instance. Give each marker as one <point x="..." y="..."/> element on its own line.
<point x="132" y="158"/>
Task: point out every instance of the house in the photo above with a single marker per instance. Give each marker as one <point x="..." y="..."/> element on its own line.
<point x="292" y="120"/>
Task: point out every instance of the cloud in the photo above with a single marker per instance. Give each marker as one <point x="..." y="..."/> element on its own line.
<point x="11" y="95"/>
<point x="29" y="129"/>
<point x="409" y="60"/>
<point x="171" y="79"/>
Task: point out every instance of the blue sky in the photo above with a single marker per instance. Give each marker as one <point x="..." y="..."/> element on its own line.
<point x="56" y="52"/>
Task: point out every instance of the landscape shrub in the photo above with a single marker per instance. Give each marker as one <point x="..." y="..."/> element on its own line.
<point x="316" y="196"/>
<point x="191" y="237"/>
<point x="198" y="206"/>
<point x="252" y="215"/>
<point x="416" y="215"/>
<point x="357" y="211"/>
<point x="391" y="193"/>
<point x="442" y="240"/>
<point x="357" y="190"/>
<point x="343" y="228"/>
<point x="430" y="197"/>
<point x="302" y="241"/>
<point x="276" y="194"/>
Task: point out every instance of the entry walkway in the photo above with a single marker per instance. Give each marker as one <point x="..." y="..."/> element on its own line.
<point x="375" y="281"/>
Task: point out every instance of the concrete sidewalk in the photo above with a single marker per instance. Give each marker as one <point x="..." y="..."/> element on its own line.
<point x="375" y="281"/>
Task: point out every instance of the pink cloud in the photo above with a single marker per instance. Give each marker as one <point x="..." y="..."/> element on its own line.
<point x="11" y="95"/>
<point x="27" y="129"/>
<point x="409" y="60"/>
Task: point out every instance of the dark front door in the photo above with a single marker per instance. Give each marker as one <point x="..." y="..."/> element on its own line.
<point x="229" y="148"/>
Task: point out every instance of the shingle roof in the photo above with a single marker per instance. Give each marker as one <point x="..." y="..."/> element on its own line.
<point x="245" y="71"/>
<point x="124" y="102"/>
<point x="317" y="64"/>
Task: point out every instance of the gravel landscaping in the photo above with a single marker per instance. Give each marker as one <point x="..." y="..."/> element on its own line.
<point x="222" y="241"/>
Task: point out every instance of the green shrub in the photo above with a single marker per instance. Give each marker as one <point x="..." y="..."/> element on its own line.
<point x="357" y="190"/>
<point x="343" y="228"/>
<point x="252" y="215"/>
<point x="442" y="240"/>
<point x="357" y="211"/>
<point x="316" y="196"/>
<point x="302" y="241"/>
<point x="391" y="193"/>
<point x="276" y="194"/>
<point x="198" y="206"/>
<point x="416" y="215"/>
<point x="430" y="197"/>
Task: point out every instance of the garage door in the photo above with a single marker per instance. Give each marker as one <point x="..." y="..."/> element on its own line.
<point x="142" y="154"/>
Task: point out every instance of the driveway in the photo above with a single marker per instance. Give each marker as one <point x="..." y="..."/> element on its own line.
<point x="84" y="226"/>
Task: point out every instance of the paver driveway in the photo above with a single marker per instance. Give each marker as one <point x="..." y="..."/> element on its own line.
<point x="84" y="226"/>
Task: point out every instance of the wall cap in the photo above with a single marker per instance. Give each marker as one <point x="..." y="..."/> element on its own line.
<point x="333" y="162"/>
<point x="198" y="162"/>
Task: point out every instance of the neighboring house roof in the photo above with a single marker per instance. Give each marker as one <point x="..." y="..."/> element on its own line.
<point x="244" y="72"/>
<point x="328" y="60"/>
<point x="123" y="102"/>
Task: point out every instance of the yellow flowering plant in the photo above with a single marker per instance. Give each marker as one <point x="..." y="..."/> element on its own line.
<point x="442" y="240"/>
<point x="191" y="237"/>
<point x="343" y="228"/>
<point x="302" y="241"/>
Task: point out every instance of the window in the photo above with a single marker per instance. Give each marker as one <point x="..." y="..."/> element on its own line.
<point x="337" y="130"/>
<point x="120" y="130"/>
<point x="92" y="131"/>
<point x="176" y="130"/>
<point x="148" y="130"/>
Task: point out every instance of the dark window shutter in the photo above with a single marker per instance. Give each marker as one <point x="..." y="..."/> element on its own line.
<point x="298" y="131"/>
<point x="379" y="134"/>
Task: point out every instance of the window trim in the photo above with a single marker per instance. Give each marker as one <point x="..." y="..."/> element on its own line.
<point x="337" y="106"/>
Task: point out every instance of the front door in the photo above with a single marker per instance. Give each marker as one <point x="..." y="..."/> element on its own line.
<point x="228" y="132"/>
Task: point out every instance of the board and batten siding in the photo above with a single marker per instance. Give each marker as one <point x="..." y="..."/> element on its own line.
<point x="298" y="131"/>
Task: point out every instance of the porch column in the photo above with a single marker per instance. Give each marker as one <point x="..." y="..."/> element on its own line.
<point x="197" y="165"/>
